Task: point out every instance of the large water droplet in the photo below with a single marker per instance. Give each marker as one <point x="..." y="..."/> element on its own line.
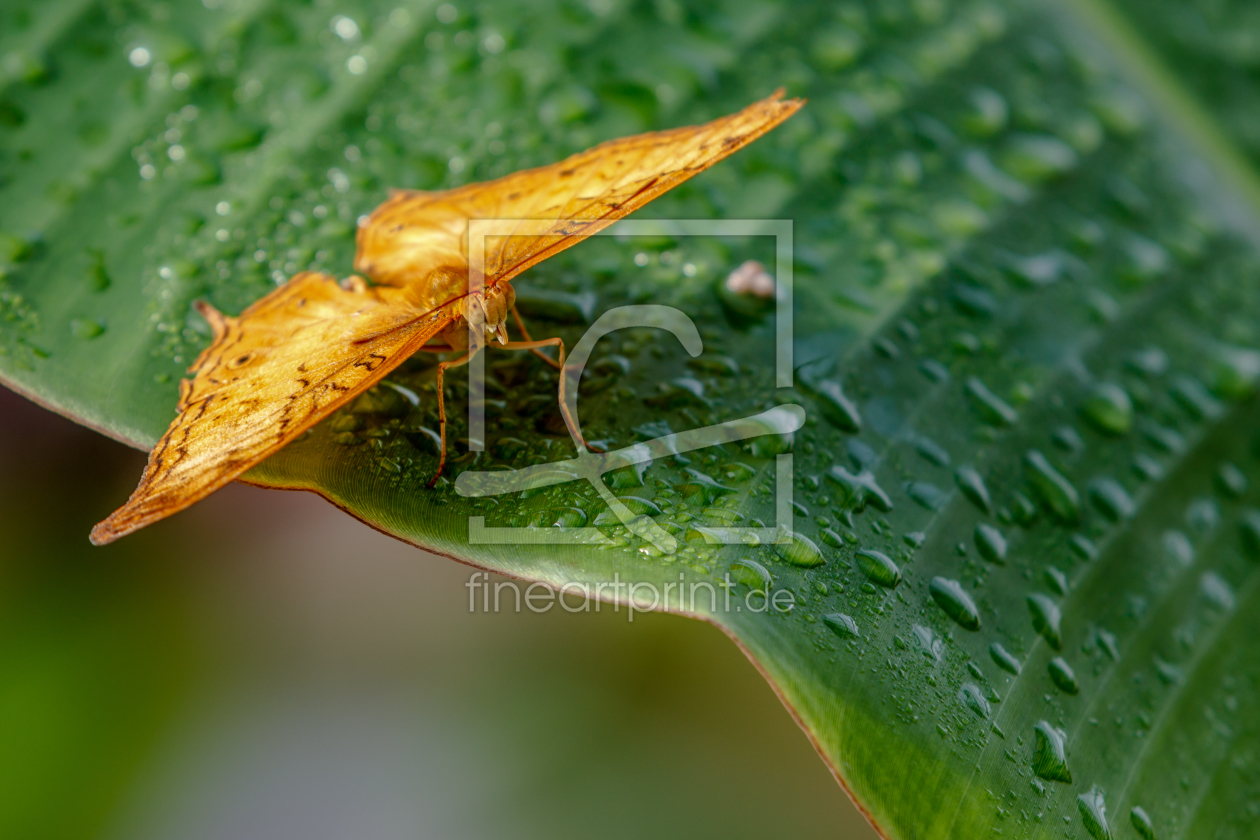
<point x="1195" y="399"/>
<point x="837" y="407"/>
<point x="1231" y="481"/>
<point x="973" y="487"/>
<point x="991" y="544"/>
<point x="930" y="645"/>
<point x="932" y="452"/>
<point x="860" y="490"/>
<point x="1046" y="618"/>
<point x="1216" y="591"/>
<point x="1249" y="527"/>
<point x="1062" y="675"/>
<point x="929" y="496"/>
<point x="956" y="603"/>
<point x="1049" y="753"/>
<point x="800" y="550"/>
<point x="751" y="574"/>
<point x="842" y="626"/>
<point x="879" y="568"/>
<point x="1094" y="813"/>
<point x="1108" y="409"/>
<point x="1111" y="499"/>
<point x="1004" y="659"/>
<point x="971" y="697"/>
<point x="992" y="408"/>
<point x="1055" y="491"/>
<point x="1142" y="823"/>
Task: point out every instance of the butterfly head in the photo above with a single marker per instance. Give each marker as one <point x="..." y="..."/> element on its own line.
<point x="485" y="316"/>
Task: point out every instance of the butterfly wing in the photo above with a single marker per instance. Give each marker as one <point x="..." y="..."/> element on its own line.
<point x="289" y="360"/>
<point x="414" y="235"/>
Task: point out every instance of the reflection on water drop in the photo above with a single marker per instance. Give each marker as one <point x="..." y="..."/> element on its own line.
<point x="1108" y="409"/>
<point x="1045" y="619"/>
<point x="879" y="568"/>
<point x="1050" y="753"/>
<point x="1142" y="823"/>
<point x="842" y="625"/>
<point x="800" y="550"/>
<point x="973" y="487"/>
<point x="1062" y="675"/>
<point x="969" y="695"/>
<point x="1055" y="491"/>
<point x="1004" y="659"/>
<point x="1094" y="813"/>
<point x="956" y="603"/>
<point x="992" y="408"/>
<point x="991" y="544"/>
<point x="1111" y="499"/>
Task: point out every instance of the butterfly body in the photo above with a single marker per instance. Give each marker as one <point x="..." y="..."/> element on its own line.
<point x="313" y="344"/>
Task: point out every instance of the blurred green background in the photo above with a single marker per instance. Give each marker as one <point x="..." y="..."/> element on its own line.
<point x="265" y="666"/>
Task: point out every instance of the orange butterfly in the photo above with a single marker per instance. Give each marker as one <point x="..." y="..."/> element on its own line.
<point x="314" y="344"/>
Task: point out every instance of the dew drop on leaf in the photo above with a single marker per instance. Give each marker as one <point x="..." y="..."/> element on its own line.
<point x="1045" y="619"/>
<point x="956" y="603"/>
<point x="1049" y="753"/>
<point x="879" y="568"/>
<point x="1062" y="675"/>
<point x="1094" y="813"/>
<point x="1004" y="659"/>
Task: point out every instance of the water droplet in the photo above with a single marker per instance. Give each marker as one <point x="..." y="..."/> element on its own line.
<point x="1108" y="409"/>
<point x="86" y="328"/>
<point x="1250" y="528"/>
<point x="1195" y="399"/>
<point x="1111" y="499"/>
<point x="751" y="574"/>
<point x="1165" y="439"/>
<point x="1107" y="644"/>
<point x="929" y="496"/>
<point x="1147" y="468"/>
<point x="1062" y="675"/>
<point x="969" y="695"/>
<point x="831" y="538"/>
<point x="1235" y="372"/>
<point x="1216" y="591"/>
<point x="991" y="544"/>
<point x="1231" y="480"/>
<point x="879" y="568"/>
<point x="1046" y="618"/>
<point x="992" y="408"/>
<point x="956" y="603"/>
<point x="1203" y="516"/>
<point x="973" y="487"/>
<point x="800" y="550"/>
<point x="930" y="645"/>
<point x="1033" y="158"/>
<point x="842" y="626"/>
<point x="1004" y="659"/>
<point x="932" y="452"/>
<point x="1055" y="491"/>
<point x="1142" y="823"/>
<point x="1057" y="580"/>
<point x="1094" y="813"/>
<point x="1049" y="753"/>
<point x="838" y="408"/>
<point x="860" y="490"/>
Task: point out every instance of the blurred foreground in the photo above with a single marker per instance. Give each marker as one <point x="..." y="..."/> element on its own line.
<point x="264" y="666"/>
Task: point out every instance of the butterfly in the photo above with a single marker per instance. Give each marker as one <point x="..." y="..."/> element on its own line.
<point x="312" y="345"/>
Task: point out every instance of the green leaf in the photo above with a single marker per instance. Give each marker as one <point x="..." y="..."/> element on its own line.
<point x="1021" y="562"/>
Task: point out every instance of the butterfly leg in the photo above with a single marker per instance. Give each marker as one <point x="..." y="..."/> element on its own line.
<point x="520" y="325"/>
<point x="441" y="394"/>
<point x="564" y="405"/>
